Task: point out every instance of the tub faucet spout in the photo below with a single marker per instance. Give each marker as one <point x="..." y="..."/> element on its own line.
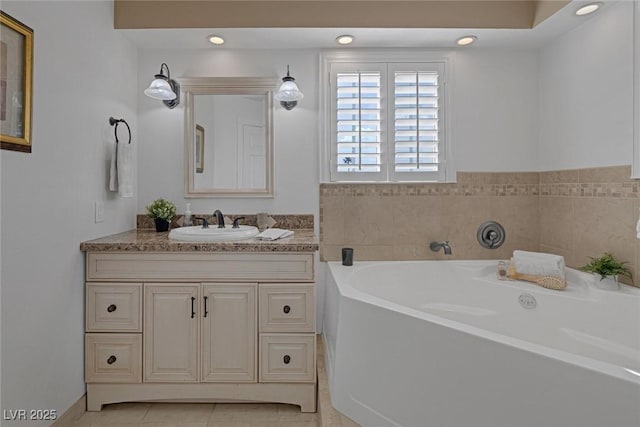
<point x="219" y="218"/>
<point x="436" y="246"/>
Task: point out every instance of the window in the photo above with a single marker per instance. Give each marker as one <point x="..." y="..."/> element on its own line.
<point x="386" y="121"/>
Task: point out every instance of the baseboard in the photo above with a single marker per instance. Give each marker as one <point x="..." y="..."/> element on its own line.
<point x="73" y="413"/>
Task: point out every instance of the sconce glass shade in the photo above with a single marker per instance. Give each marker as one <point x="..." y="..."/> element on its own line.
<point x="164" y="88"/>
<point x="289" y="94"/>
<point x="160" y="89"/>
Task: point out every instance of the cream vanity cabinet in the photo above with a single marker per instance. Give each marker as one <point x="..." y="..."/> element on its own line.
<point x="192" y="326"/>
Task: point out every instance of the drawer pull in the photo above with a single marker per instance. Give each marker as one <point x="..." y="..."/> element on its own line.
<point x="111" y="360"/>
<point x="112" y="308"/>
<point x="286" y="309"/>
<point x="286" y="359"/>
<point x="193" y="309"/>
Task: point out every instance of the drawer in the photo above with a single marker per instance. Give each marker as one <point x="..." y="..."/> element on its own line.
<point x="287" y="308"/>
<point x="195" y="266"/>
<point x="113" y="358"/>
<point x="287" y="358"/>
<point x="114" y="308"/>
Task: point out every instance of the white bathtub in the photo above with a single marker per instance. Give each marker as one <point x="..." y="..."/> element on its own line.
<point x="446" y="344"/>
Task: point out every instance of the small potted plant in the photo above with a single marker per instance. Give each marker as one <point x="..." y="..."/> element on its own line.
<point x="162" y="211"/>
<point x="609" y="269"/>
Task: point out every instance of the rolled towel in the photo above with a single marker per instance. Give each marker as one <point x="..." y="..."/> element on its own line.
<point x="274" y="234"/>
<point x="539" y="264"/>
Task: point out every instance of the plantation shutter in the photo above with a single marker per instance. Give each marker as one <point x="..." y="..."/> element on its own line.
<point x="358" y="118"/>
<point x="387" y="122"/>
<point x="417" y="132"/>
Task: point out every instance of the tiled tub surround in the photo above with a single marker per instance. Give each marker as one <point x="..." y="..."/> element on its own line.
<point x="574" y="213"/>
<point x="397" y="221"/>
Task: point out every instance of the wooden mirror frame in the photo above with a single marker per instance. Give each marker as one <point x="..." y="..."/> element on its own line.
<point x="226" y="86"/>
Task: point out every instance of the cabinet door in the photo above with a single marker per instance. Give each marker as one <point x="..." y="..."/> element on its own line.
<point x="171" y="331"/>
<point x="229" y="333"/>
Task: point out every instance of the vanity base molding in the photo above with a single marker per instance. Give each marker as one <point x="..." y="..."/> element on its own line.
<point x="303" y="395"/>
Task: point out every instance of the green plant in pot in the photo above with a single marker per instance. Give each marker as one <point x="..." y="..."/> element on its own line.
<point x="609" y="269"/>
<point x="162" y="211"/>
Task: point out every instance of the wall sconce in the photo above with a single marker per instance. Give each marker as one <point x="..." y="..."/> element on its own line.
<point x="288" y="94"/>
<point x="164" y="88"/>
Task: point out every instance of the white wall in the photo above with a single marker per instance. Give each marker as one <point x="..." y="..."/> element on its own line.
<point x="161" y="151"/>
<point x="84" y="72"/>
<point x="586" y="95"/>
<point x="494" y="123"/>
<point x="496" y="110"/>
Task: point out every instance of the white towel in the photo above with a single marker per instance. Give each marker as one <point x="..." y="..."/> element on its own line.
<point x="274" y="234"/>
<point x="539" y="264"/>
<point x="126" y="170"/>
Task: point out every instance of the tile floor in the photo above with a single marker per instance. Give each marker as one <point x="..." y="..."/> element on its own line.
<point x="198" y="415"/>
<point x="221" y="414"/>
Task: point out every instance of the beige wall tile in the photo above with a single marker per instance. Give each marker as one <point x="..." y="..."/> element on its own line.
<point x="564" y="176"/>
<point x="606" y="174"/>
<point x="415" y="252"/>
<point x="568" y="254"/>
<point x="417" y="220"/>
<point x="604" y="225"/>
<point x="636" y="274"/>
<point x="331" y="252"/>
<point x="372" y="252"/>
<point x="332" y="220"/>
<point x="368" y="220"/>
<point x="556" y="222"/>
<point x="481" y="178"/>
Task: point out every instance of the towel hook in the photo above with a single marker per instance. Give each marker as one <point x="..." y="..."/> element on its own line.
<point x="115" y="122"/>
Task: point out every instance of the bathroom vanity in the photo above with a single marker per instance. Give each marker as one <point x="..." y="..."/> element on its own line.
<point x="184" y="321"/>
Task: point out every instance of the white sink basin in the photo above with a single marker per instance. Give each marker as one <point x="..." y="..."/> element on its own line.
<point x="213" y="233"/>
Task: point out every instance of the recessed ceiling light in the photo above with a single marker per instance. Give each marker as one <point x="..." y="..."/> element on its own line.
<point x="213" y="39"/>
<point x="588" y="9"/>
<point x="466" y="40"/>
<point x="345" y="39"/>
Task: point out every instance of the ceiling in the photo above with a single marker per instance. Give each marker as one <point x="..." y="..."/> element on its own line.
<point x="303" y="38"/>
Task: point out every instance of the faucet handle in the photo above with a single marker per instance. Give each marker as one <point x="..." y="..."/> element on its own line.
<point x="235" y="222"/>
<point x="205" y="224"/>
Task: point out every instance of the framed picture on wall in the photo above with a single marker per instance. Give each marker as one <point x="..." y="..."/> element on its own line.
<point x="199" y="149"/>
<point x="16" y="82"/>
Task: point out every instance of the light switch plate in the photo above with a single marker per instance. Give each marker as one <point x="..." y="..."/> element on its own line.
<point x="99" y="211"/>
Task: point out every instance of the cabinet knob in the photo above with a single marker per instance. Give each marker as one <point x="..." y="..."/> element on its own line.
<point x="112" y="308"/>
<point x="286" y="359"/>
<point x="286" y="309"/>
<point x="111" y="360"/>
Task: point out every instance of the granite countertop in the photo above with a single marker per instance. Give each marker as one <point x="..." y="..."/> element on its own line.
<point x="144" y="240"/>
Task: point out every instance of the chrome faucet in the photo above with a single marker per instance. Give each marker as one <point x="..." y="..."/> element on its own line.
<point x="219" y="218"/>
<point x="436" y="246"/>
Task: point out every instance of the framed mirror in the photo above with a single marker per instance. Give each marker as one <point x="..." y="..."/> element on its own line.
<point x="228" y="136"/>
